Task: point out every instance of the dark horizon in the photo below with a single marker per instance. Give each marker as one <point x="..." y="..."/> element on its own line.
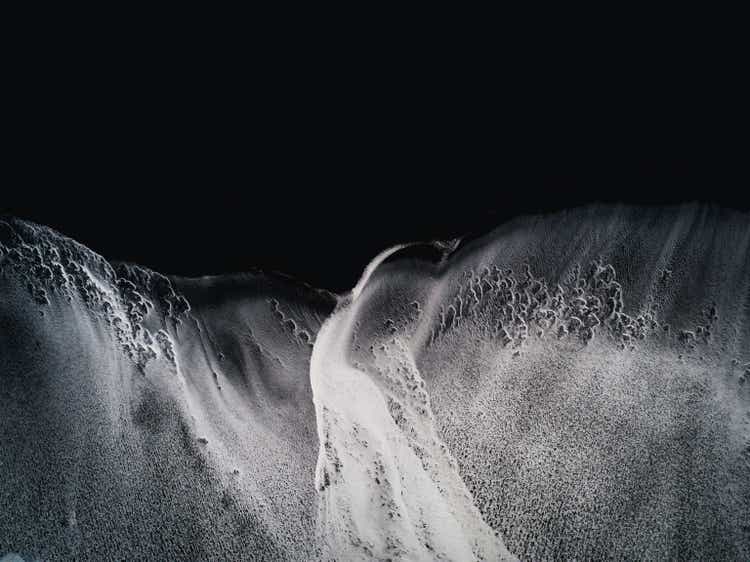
<point x="198" y="171"/>
<point x="191" y="226"/>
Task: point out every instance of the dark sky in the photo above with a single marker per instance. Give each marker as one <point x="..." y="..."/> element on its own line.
<point x="195" y="167"/>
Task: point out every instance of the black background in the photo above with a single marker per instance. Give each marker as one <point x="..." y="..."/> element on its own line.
<point x="199" y="155"/>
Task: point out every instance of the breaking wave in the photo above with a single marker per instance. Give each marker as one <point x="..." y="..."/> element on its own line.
<point x="566" y="386"/>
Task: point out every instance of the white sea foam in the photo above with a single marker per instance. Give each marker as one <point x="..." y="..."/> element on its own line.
<point x="569" y="386"/>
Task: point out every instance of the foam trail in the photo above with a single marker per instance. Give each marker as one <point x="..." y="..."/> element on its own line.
<point x="372" y="266"/>
<point x="389" y="487"/>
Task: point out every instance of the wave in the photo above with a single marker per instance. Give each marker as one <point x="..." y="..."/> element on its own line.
<point x="565" y="386"/>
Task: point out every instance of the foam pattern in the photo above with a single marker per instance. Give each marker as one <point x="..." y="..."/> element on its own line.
<point x="572" y="386"/>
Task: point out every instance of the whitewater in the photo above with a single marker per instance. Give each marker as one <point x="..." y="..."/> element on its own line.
<point x="566" y="386"/>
